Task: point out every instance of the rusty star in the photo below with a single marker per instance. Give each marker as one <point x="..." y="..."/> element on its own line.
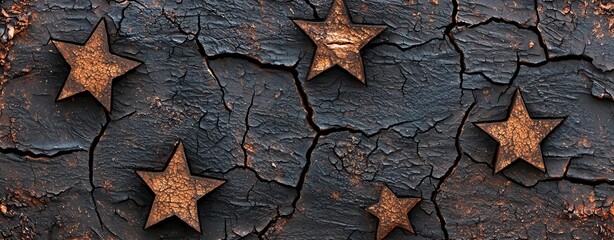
<point x="93" y="66"/>
<point x="392" y="212"/>
<point x="338" y="41"/>
<point x="177" y="191"/>
<point x="519" y="136"/>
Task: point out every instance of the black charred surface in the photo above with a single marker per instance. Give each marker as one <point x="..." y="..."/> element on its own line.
<point x="303" y="159"/>
<point x="477" y="204"/>
<point x="478" y="11"/>
<point x="579" y="28"/>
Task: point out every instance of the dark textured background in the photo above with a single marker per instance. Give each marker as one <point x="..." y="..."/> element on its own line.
<point x="303" y="159"/>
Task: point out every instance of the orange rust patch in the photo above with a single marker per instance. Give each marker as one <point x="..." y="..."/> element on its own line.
<point x="585" y="143"/>
<point x="606" y="9"/>
<point x="607" y="6"/>
<point x="14" y="21"/>
<point x="3" y="209"/>
<point x="106" y="184"/>
<point x="566" y="10"/>
<point x="355" y="180"/>
<point x="597" y="30"/>
<point x="336" y="195"/>
<point x="589" y="207"/>
<point x="249" y="147"/>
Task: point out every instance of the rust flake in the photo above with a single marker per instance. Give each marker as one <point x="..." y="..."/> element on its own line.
<point x="336" y="195"/>
<point x="3" y="209"/>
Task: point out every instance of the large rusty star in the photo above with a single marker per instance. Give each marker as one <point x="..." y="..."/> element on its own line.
<point x="177" y="191"/>
<point x="392" y="212"/>
<point x="93" y="67"/>
<point x="338" y="41"/>
<point x="519" y="136"/>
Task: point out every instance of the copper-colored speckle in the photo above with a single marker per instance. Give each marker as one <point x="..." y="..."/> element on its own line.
<point x="93" y="67"/>
<point x="364" y="7"/>
<point x="177" y="191"/>
<point x="355" y="180"/>
<point x="585" y="143"/>
<point x="392" y="212"/>
<point x="336" y="195"/>
<point x="106" y="184"/>
<point x="519" y="136"/>
<point x="338" y="41"/>
<point x="249" y="147"/>
<point x="566" y="10"/>
<point x="3" y="209"/>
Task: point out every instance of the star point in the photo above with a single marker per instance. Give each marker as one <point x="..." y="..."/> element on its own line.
<point x="519" y="136"/>
<point x="392" y="212"/>
<point x="177" y="191"/>
<point x="338" y="41"/>
<point x="93" y="67"/>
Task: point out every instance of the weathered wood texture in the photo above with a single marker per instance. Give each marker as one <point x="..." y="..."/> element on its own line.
<point x="303" y="159"/>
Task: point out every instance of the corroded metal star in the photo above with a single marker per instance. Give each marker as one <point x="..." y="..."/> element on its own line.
<point x="392" y="212"/>
<point x="519" y="136"/>
<point x="177" y="191"/>
<point x="338" y="41"/>
<point x="93" y="66"/>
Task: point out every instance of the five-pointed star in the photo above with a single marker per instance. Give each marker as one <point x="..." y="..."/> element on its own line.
<point x="177" y="191"/>
<point x="338" y="41"/>
<point x="392" y="212"/>
<point x="93" y="67"/>
<point x="519" y="136"/>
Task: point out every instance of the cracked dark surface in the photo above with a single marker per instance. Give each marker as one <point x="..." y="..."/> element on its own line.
<point x="304" y="159"/>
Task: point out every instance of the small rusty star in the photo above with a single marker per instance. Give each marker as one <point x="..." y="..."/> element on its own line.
<point x="392" y="212"/>
<point x="519" y="136"/>
<point x="177" y="191"/>
<point x="338" y="41"/>
<point x="93" y="66"/>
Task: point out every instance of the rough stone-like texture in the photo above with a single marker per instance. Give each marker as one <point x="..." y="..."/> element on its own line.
<point x="43" y="198"/>
<point x="557" y="89"/>
<point x="303" y="159"/>
<point x="31" y="120"/>
<point x="275" y="134"/>
<point x="411" y="90"/>
<point x="579" y="28"/>
<point x="347" y="173"/>
<point x="476" y="204"/>
<point x="410" y="22"/>
<point x="478" y="11"/>
<point x="494" y="50"/>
